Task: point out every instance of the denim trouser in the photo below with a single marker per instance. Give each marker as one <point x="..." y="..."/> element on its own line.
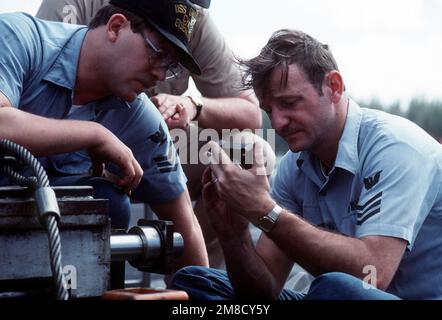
<point x="119" y="203"/>
<point x="202" y="283"/>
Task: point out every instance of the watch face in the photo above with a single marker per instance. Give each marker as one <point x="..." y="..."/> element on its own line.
<point x="266" y="224"/>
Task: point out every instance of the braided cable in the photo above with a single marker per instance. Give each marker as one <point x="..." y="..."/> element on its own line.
<point x="50" y="221"/>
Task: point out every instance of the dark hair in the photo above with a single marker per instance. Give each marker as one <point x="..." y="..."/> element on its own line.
<point x="286" y="47"/>
<point x="137" y="23"/>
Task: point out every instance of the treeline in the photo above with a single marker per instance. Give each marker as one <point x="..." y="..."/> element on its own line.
<point x="425" y="113"/>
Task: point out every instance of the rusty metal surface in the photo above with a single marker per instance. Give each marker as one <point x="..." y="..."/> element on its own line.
<point x="69" y="191"/>
<point x="77" y="208"/>
<point x="85" y="233"/>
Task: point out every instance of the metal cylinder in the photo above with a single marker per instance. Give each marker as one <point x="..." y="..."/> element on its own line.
<point x="151" y="239"/>
<point x="178" y="244"/>
<point x="126" y="247"/>
<point x="141" y="243"/>
<point x="47" y="203"/>
<point x="149" y="248"/>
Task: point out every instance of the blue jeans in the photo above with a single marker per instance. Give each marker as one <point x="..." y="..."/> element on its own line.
<point x="202" y="283"/>
<point x="119" y="203"/>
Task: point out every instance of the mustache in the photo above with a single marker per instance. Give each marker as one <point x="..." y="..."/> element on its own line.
<point x="288" y="130"/>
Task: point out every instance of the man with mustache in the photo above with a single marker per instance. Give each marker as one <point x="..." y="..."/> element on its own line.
<point x="99" y="74"/>
<point x="357" y="201"/>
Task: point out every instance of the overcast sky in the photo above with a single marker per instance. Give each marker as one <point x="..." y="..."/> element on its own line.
<point x="390" y="49"/>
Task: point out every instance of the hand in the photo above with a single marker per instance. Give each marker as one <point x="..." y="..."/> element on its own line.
<point x="177" y="111"/>
<point x="246" y="191"/>
<point x="109" y="148"/>
<point x="227" y="222"/>
<point x="180" y="119"/>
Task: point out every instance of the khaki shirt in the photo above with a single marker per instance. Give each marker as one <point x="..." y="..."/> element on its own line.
<point x="220" y="76"/>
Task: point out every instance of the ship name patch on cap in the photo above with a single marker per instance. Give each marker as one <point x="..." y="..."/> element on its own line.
<point x="186" y="19"/>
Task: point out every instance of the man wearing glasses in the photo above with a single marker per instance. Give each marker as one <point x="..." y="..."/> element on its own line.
<point x="164" y="59"/>
<point x="223" y="105"/>
<point x="97" y="74"/>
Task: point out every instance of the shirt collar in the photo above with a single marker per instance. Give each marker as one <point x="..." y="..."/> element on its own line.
<point x="347" y="157"/>
<point x="64" y="70"/>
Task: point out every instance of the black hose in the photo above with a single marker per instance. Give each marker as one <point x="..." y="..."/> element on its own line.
<point x="49" y="220"/>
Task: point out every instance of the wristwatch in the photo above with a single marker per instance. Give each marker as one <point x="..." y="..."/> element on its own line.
<point x="198" y="103"/>
<point x="267" y="222"/>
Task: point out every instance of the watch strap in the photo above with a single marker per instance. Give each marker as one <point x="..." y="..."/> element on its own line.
<point x="198" y="103"/>
<point x="267" y="222"/>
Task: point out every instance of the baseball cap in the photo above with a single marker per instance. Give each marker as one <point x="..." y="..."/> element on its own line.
<point x="174" y="19"/>
<point x="202" y="3"/>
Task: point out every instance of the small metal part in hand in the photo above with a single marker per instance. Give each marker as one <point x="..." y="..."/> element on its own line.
<point x="214" y="177"/>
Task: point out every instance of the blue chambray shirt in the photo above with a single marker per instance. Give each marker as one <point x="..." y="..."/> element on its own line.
<point x="38" y="67"/>
<point x="386" y="181"/>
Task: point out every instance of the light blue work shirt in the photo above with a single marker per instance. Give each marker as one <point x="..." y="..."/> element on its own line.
<point x="38" y="68"/>
<point x="386" y="181"/>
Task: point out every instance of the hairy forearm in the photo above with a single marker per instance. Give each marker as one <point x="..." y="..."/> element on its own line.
<point x="43" y="136"/>
<point x="247" y="272"/>
<point x="320" y="251"/>
<point x="181" y="213"/>
<point x="228" y="113"/>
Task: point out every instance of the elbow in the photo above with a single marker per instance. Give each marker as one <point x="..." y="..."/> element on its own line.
<point x="383" y="282"/>
<point x="378" y="279"/>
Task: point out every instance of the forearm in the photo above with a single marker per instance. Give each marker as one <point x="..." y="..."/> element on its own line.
<point x="228" y="113"/>
<point x="319" y="251"/>
<point x="181" y="213"/>
<point x="43" y="136"/>
<point x="247" y="272"/>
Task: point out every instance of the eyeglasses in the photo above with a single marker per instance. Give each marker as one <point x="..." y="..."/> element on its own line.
<point x="161" y="59"/>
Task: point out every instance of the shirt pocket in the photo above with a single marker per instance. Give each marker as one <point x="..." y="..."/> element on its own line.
<point x="312" y="213"/>
<point x="344" y="224"/>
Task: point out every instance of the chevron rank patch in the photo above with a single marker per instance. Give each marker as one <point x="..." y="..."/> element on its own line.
<point x="169" y="163"/>
<point x="366" y="211"/>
